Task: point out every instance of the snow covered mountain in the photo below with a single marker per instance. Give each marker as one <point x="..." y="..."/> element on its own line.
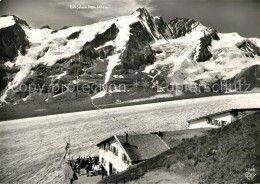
<point x="132" y="48"/>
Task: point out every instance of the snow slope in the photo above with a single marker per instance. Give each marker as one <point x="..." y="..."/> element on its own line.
<point x="180" y="55"/>
<point x="6" y="21"/>
<point x="31" y="148"/>
<point x="48" y="46"/>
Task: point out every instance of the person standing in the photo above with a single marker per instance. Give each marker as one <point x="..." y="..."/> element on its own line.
<point x="79" y="167"/>
<point x="102" y="170"/>
<point x="88" y="168"/>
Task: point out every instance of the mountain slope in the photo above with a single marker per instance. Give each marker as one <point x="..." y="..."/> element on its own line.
<point x="126" y="49"/>
<point x="13" y="38"/>
<point x="220" y="156"/>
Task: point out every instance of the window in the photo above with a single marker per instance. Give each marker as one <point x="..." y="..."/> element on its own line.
<point x="103" y="161"/>
<point x="115" y="150"/>
<point x="110" y="148"/>
<point x="209" y="120"/>
<point x="106" y="147"/>
<point x="223" y="123"/>
<point x="216" y="122"/>
<point x="124" y="157"/>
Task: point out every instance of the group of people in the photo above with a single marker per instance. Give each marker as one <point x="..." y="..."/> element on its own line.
<point x="89" y="164"/>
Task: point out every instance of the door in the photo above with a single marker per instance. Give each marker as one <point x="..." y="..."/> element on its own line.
<point x="110" y="169"/>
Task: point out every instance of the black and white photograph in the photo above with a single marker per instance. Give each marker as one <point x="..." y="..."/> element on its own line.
<point x="129" y="91"/>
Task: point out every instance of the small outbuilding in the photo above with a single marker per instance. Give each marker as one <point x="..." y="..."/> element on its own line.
<point x="220" y="119"/>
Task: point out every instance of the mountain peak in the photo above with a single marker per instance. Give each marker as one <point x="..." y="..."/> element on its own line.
<point x="20" y="21"/>
<point x="45" y="27"/>
<point x="182" y="26"/>
<point x="10" y="20"/>
<point x="113" y="50"/>
<point x="6" y="21"/>
<point x="142" y="11"/>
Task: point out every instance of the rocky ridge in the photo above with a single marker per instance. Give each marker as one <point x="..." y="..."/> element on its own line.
<point x="122" y="50"/>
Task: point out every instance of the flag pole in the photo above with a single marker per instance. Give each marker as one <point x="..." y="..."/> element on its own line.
<point x="69" y="148"/>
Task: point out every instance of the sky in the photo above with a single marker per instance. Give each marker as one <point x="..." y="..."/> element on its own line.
<point x="242" y="16"/>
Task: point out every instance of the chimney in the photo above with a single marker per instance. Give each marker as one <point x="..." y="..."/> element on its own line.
<point x="126" y="138"/>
